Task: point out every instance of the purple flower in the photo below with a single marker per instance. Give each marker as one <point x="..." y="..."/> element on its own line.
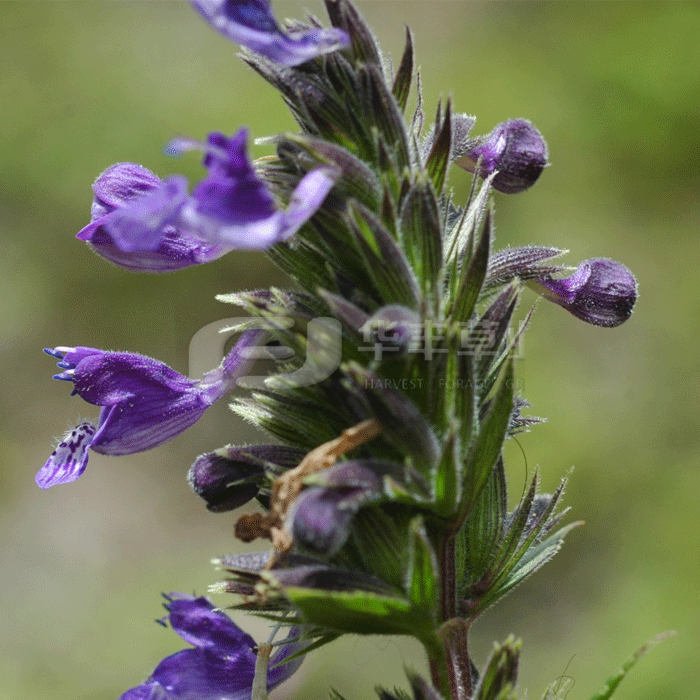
<point x="251" y="23"/>
<point x="144" y="403"/>
<point x="219" y="667"/>
<point x="601" y="291"/>
<point x="143" y="223"/>
<point x="515" y="148"/>
<point x="231" y="476"/>
<point x="119" y="189"/>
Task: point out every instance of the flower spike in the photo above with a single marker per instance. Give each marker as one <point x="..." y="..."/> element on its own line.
<point x="251" y="24"/>
<point x="144" y="403"/>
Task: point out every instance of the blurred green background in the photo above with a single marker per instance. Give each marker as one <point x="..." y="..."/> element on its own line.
<point x="615" y="88"/>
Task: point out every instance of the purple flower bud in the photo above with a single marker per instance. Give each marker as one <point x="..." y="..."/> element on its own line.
<point x="515" y="148"/>
<point x="222" y="662"/>
<point x="393" y="328"/>
<point x="321" y="516"/>
<point x="601" y="292"/>
<point x="229" y="477"/>
<point x="251" y="24"/>
<point x="146" y="224"/>
<point x="144" y="403"/>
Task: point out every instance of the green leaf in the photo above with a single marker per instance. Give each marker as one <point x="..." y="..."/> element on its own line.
<point x="421" y="233"/>
<point x="514" y="535"/>
<point x="404" y="75"/>
<point x="364" y="45"/>
<point x="535" y="558"/>
<point x="467" y="294"/>
<point x="380" y="108"/>
<point x="384" y="260"/>
<point x="613" y="681"/>
<point x="489" y="442"/>
<point x="460" y="241"/>
<point x="422" y="574"/>
<point x="357" y="179"/>
<point x="447" y="478"/>
<point x="518" y="544"/>
<point x="360" y="612"/>
<point x="439" y="157"/>
<point x="482" y="532"/>
<point x="500" y="676"/>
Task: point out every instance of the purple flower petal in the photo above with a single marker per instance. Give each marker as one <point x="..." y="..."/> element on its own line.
<point x="69" y="459"/>
<point x="142" y="224"/>
<point x="601" y="291"/>
<point x="197" y="674"/>
<point x="199" y="624"/>
<point x="119" y="185"/>
<point x="251" y="24"/>
<point x="174" y="252"/>
<point x="232" y="206"/>
<point x="110" y="234"/>
<point x="146" y="224"/>
<point x="221" y="665"/>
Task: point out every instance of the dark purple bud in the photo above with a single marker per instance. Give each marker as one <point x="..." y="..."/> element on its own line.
<point x="231" y="476"/>
<point x="321" y="517"/>
<point x="251" y="24"/>
<point x="515" y="148"/>
<point x="394" y="329"/>
<point x="601" y="291"/>
<point x="144" y="403"/>
<point x="221" y="663"/>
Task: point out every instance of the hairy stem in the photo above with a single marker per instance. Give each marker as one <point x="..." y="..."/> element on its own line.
<point x="454" y="632"/>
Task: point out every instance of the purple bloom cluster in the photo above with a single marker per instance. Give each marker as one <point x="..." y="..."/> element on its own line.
<point x="221" y="664"/>
<point x="143" y="223"/>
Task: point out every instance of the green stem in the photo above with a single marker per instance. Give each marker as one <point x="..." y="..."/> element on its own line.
<point x="453" y="633"/>
<point x="455" y="638"/>
<point x="439" y="667"/>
